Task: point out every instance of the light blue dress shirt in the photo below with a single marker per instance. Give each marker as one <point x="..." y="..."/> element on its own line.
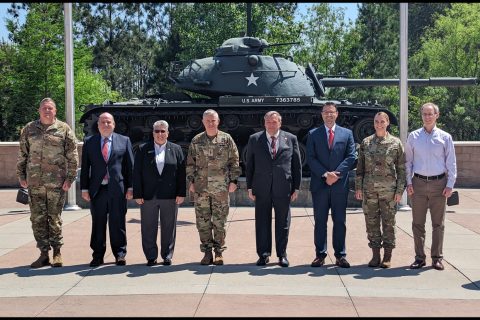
<point x="430" y="154"/>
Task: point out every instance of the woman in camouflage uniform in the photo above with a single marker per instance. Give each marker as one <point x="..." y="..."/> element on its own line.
<point x="379" y="183"/>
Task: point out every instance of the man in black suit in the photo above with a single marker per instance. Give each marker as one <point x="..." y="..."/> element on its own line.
<point x="159" y="187"/>
<point x="274" y="173"/>
<point x="106" y="181"/>
<point x="330" y="155"/>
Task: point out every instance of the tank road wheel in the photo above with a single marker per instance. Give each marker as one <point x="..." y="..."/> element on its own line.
<point x="305" y="121"/>
<point x="231" y="121"/>
<point x="194" y="122"/>
<point x="362" y="129"/>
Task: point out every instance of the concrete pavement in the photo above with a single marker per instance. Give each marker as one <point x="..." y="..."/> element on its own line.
<point x="240" y="288"/>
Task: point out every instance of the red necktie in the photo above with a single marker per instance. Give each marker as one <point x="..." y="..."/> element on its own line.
<point x="330" y="138"/>
<point x="105" y="154"/>
<point x="274" y="150"/>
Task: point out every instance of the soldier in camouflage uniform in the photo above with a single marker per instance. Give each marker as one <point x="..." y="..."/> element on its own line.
<point x="380" y="182"/>
<point x="212" y="172"/>
<point x="47" y="165"/>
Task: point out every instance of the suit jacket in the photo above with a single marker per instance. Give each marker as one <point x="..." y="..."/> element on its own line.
<point x="119" y="165"/>
<point x="276" y="177"/>
<point x="147" y="182"/>
<point x="321" y="159"/>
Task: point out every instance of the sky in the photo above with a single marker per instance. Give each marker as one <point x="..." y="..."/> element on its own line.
<point x="350" y="13"/>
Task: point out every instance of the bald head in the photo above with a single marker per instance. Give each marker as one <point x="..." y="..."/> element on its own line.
<point x="106" y="124"/>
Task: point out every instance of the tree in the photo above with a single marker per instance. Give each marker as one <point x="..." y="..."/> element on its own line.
<point x="34" y="65"/>
<point x="451" y="48"/>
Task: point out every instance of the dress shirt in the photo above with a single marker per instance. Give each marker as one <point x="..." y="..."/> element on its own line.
<point x="430" y="154"/>
<point x="160" y="156"/>
<point x="333" y="129"/>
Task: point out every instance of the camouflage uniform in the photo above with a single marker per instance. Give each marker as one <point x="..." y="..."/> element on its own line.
<point x="212" y="164"/>
<point x="380" y="175"/>
<point x="47" y="157"/>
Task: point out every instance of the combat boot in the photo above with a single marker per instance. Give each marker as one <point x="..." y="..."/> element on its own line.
<point x="57" y="258"/>
<point x="207" y="258"/>
<point x="375" y="262"/>
<point x="42" y="261"/>
<point x="218" y="259"/>
<point x="387" y="257"/>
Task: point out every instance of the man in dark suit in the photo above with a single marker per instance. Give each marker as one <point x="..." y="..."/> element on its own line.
<point x="274" y="173"/>
<point x="330" y="155"/>
<point x="106" y="181"/>
<point x="159" y="187"/>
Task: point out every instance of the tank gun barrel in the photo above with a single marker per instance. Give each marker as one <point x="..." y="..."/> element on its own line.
<point x="281" y="44"/>
<point x="430" y="82"/>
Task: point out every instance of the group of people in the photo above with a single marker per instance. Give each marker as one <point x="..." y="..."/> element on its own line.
<point x="158" y="176"/>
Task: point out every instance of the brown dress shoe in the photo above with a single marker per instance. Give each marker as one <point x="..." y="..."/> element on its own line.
<point x="438" y="265"/>
<point x="342" y="263"/>
<point x="318" y="262"/>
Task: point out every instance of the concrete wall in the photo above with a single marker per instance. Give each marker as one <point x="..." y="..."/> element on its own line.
<point x="468" y="167"/>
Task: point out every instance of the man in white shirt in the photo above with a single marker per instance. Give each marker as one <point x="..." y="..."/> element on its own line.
<point x="159" y="187"/>
<point x="431" y="173"/>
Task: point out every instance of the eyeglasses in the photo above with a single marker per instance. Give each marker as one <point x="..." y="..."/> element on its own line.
<point x="159" y="131"/>
<point x="328" y="113"/>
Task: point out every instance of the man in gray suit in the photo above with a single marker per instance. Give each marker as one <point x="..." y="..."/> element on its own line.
<point x="274" y="173"/>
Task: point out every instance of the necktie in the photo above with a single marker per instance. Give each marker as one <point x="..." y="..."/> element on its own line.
<point x="330" y="138"/>
<point x="105" y="155"/>
<point x="274" y="150"/>
<point x="105" y="149"/>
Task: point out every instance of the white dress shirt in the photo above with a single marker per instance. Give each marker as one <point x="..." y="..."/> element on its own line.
<point x="160" y="156"/>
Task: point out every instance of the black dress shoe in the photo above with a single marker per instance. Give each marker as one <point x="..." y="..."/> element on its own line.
<point x="342" y="263"/>
<point x="417" y="264"/>
<point x="283" y="262"/>
<point x="120" y="261"/>
<point x="263" y="261"/>
<point x="167" y="262"/>
<point x="438" y="265"/>
<point x="151" y="262"/>
<point x="96" y="262"/>
<point x="318" y="262"/>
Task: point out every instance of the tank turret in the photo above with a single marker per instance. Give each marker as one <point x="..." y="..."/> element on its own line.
<point x="241" y="82"/>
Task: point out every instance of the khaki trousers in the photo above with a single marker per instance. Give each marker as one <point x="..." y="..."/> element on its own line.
<point x="428" y="195"/>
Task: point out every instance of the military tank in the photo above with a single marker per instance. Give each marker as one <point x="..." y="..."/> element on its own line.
<point x="242" y="83"/>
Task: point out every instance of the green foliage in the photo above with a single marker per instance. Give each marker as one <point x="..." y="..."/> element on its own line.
<point x="326" y="41"/>
<point x="124" y="50"/>
<point x="451" y="48"/>
<point x="33" y="68"/>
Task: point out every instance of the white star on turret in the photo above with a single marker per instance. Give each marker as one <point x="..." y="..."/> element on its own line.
<point x="252" y="80"/>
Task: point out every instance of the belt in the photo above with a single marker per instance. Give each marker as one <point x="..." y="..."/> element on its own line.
<point x="440" y="176"/>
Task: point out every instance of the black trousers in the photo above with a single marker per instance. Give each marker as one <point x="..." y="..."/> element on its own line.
<point x="263" y="224"/>
<point x="112" y="210"/>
